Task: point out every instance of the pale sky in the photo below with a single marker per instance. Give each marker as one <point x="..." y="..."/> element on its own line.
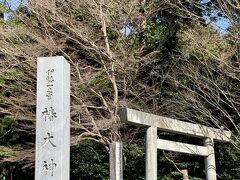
<point x="221" y="24"/>
<point x="12" y="3"/>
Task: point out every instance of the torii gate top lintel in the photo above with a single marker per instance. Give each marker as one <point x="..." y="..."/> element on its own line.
<point x="132" y="116"/>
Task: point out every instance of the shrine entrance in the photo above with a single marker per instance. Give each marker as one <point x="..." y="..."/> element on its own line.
<point x="155" y="123"/>
<point x="53" y="129"/>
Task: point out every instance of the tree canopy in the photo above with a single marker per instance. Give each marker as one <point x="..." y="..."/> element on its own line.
<point x="166" y="57"/>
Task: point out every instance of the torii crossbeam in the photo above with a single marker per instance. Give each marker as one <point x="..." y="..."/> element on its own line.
<point x="154" y="123"/>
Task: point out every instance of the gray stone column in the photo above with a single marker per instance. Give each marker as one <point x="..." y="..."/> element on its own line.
<point x="116" y="164"/>
<point x="151" y="153"/>
<point x="185" y="174"/>
<point x="210" y="165"/>
<point x="53" y="119"/>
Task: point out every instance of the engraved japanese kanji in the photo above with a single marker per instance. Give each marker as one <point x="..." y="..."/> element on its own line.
<point x="48" y="140"/>
<point x="50" y="80"/>
<point x="49" y="114"/>
<point x="49" y="167"/>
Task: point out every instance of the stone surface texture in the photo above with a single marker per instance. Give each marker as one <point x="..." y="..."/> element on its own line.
<point x="53" y="119"/>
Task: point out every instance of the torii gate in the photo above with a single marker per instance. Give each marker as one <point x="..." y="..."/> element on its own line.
<point x="155" y="123"/>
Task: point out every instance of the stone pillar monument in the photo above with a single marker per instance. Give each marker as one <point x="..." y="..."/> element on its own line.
<point x="53" y="119"/>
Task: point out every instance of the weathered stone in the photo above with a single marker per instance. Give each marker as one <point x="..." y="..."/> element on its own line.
<point x="182" y="147"/>
<point x="210" y="164"/>
<point x="116" y="164"/>
<point x="172" y="125"/>
<point x="151" y="153"/>
<point x="154" y="123"/>
<point x="53" y="119"/>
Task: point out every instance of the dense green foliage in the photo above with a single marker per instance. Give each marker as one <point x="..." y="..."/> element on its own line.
<point x="90" y="160"/>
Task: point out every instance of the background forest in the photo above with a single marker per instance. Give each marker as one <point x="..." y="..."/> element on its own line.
<point x="175" y="58"/>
